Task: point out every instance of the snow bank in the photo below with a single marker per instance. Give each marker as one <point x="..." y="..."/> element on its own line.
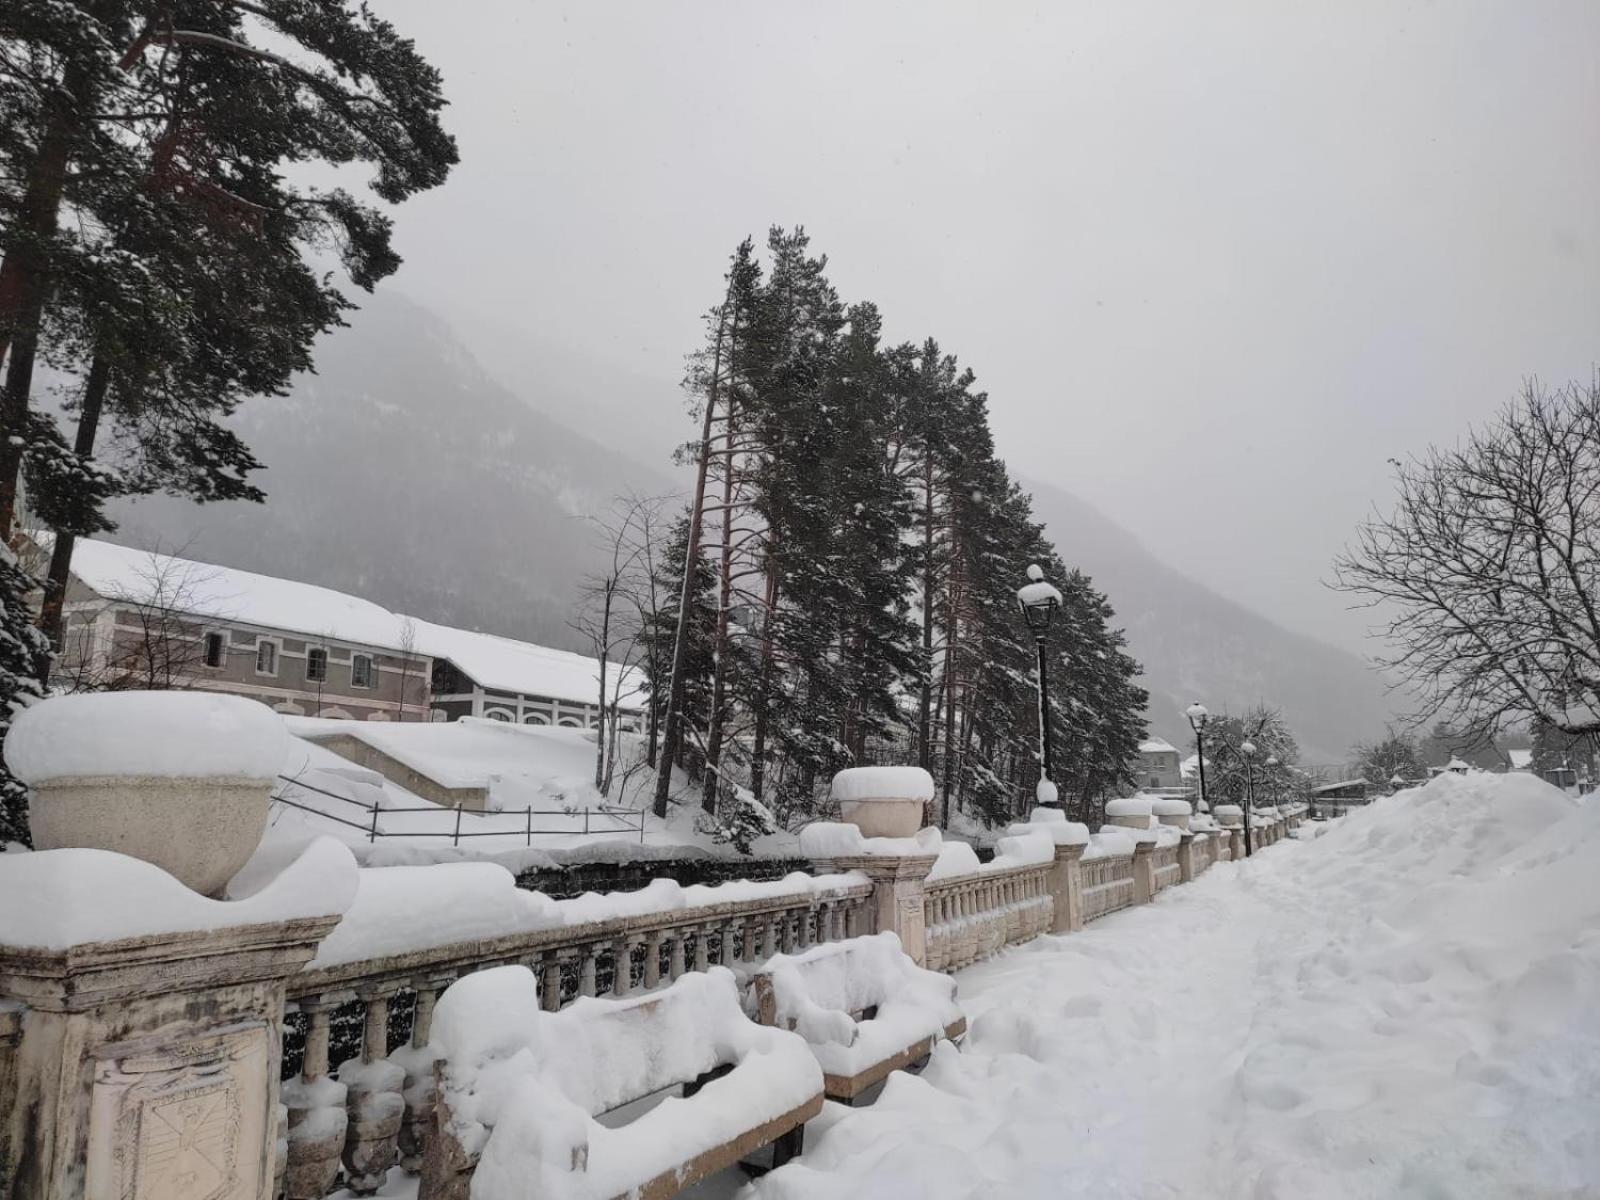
<point x="1403" y="1007"/>
<point x="52" y="899"/>
<point x="526" y="1085"/>
<point x="877" y="783"/>
<point x="955" y="859"/>
<point x="180" y="734"/>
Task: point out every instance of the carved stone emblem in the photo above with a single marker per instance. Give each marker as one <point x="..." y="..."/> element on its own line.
<point x="180" y="1122"/>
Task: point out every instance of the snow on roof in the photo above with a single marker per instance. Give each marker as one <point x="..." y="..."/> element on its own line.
<point x="504" y="665"/>
<point x="180" y="584"/>
<point x="226" y="594"/>
<point x="1157" y="746"/>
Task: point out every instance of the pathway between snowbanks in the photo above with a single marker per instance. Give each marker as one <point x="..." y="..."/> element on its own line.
<point x="1408" y="1006"/>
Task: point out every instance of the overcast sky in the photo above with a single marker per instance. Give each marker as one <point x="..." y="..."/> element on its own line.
<point x="1214" y="263"/>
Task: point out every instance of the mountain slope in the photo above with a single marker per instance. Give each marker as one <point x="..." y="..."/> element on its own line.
<point x="1195" y="644"/>
<point x="403" y="473"/>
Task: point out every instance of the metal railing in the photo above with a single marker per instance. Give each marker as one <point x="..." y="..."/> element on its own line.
<point x="622" y="820"/>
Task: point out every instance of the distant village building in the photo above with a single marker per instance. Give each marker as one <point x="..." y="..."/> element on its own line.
<point x="1332" y="799"/>
<point x="135" y="619"/>
<point x="1158" y="765"/>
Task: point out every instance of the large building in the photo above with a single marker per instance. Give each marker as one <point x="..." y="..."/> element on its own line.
<point x="1157" y="767"/>
<point x="136" y="619"/>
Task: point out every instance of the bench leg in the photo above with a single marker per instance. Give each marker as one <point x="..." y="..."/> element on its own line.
<point x="788" y="1146"/>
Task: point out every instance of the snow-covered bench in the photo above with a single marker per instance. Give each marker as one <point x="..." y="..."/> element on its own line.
<point x="862" y="1005"/>
<point x="520" y="1090"/>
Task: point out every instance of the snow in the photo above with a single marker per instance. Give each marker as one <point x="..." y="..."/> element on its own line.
<point x="177" y="734"/>
<point x="1157" y="746"/>
<point x="838" y="839"/>
<point x="955" y="859"/>
<point x="817" y="991"/>
<point x="1404" y="1007"/>
<point x="548" y="769"/>
<point x="1023" y="850"/>
<point x="1038" y="592"/>
<point x="52" y="899"/>
<point x="1045" y="792"/>
<point x="1130" y="806"/>
<point x="1113" y="841"/>
<point x="505" y="665"/>
<point x="400" y="910"/>
<point x="1228" y="812"/>
<point x="1170" y="806"/>
<point x="1053" y="821"/>
<point x="527" y="1085"/>
<point x="878" y="783"/>
<point x="244" y="597"/>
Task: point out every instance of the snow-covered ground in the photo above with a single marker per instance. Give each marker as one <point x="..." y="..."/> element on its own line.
<point x="1407" y="1006"/>
<point x="546" y="768"/>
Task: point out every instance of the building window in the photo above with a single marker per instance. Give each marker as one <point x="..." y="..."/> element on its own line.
<point x="266" y="657"/>
<point x="215" y="649"/>
<point x="361" y="670"/>
<point x="316" y="665"/>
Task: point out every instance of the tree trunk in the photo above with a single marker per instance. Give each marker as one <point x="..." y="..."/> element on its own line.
<point x="950" y="634"/>
<point x="25" y="280"/>
<point x="758" y="748"/>
<point x="600" y="711"/>
<point x="925" y="701"/>
<point x="52" y="609"/>
<point x="719" y="654"/>
<point x="680" y="642"/>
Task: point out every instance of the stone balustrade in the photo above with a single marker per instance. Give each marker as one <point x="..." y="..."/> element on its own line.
<point x="970" y="917"/>
<point x="370" y="1113"/>
<point x="1107" y="885"/>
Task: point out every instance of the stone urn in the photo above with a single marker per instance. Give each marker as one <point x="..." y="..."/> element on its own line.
<point x="179" y="779"/>
<point x="1169" y="810"/>
<point x="1130" y="812"/>
<point x="883" y="801"/>
<point x="1229" y="816"/>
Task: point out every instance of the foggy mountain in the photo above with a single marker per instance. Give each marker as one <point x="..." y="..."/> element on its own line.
<point x="1197" y="645"/>
<point x="404" y="472"/>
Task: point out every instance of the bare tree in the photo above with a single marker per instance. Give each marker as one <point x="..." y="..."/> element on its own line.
<point x="1485" y="570"/>
<point x="163" y="650"/>
<point x="617" y="600"/>
<point x="408" y="651"/>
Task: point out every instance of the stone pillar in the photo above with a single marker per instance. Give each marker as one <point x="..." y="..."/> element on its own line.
<point x="1236" y="843"/>
<point x="1066" y="889"/>
<point x="1144" y="872"/>
<point x="147" y="1067"/>
<point x="1186" y="871"/>
<point x="897" y="895"/>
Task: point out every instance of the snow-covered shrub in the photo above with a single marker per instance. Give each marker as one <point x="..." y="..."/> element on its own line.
<point x="739" y="820"/>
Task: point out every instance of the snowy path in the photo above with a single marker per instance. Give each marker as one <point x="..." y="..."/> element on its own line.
<point x="1409" y="1006"/>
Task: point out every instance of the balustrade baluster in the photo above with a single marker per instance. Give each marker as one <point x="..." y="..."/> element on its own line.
<point x="702" y="935"/>
<point x="622" y="968"/>
<point x="586" y="960"/>
<point x="550" y="981"/>
<point x="675" y="958"/>
<point x="652" y="959"/>
<point x="747" y="931"/>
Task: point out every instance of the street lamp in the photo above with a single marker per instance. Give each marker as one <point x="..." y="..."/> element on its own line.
<point x="1198" y="716"/>
<point x="1039" y="601"/>
<point x="1247" y="749"/>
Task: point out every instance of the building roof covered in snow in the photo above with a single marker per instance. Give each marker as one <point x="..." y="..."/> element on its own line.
<point x="226" y="594"/>
<point x="1157" y="746"/>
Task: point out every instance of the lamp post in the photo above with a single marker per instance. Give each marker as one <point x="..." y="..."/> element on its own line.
<point x="1247" y="750"/>
<point x="1198" y="716"/>
<point x="1039" y="601"/>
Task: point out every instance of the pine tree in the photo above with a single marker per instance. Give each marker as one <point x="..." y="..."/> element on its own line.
<point x="22" y="654"/>
<point x="116" y="106"/>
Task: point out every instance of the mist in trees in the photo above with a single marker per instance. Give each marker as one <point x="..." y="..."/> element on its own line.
<point x="854" y="548"/>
